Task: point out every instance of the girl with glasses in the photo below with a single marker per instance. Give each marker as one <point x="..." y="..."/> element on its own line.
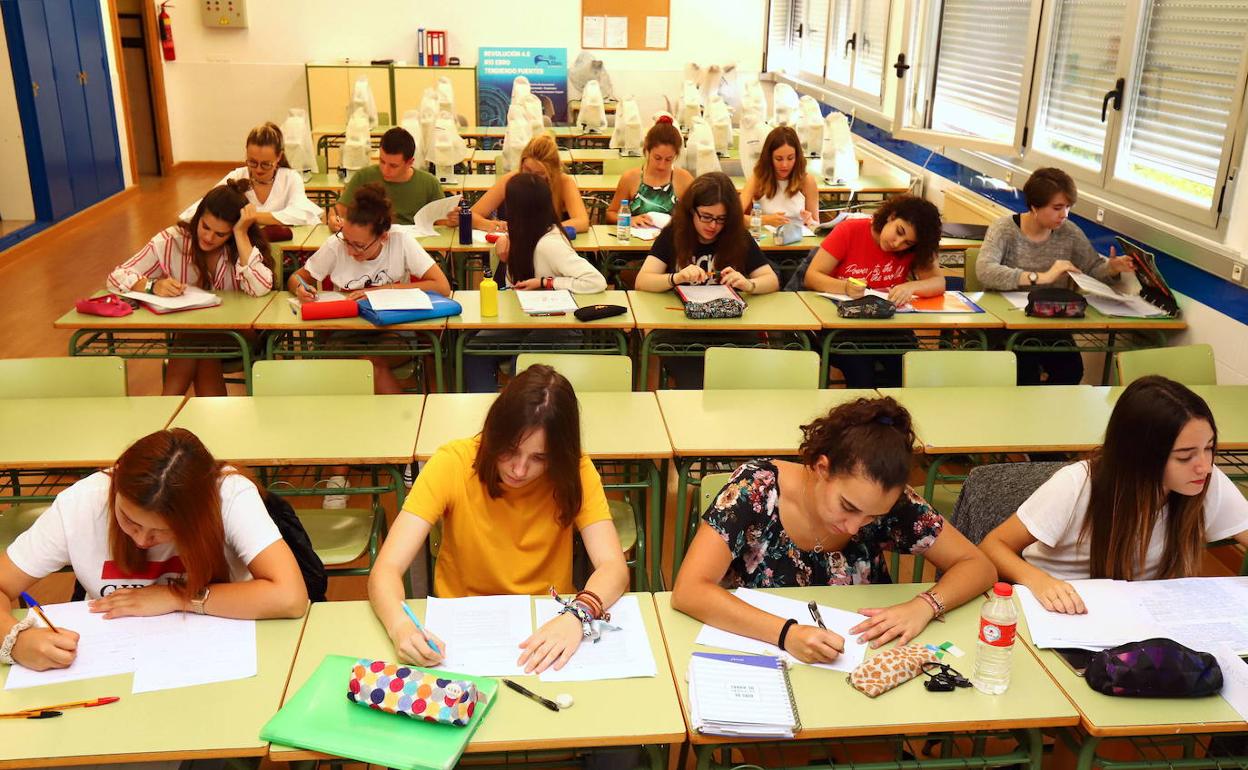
<point x="276" y="188"/>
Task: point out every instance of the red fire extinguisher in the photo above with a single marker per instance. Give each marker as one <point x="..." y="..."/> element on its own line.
<point x="166" y="34"/>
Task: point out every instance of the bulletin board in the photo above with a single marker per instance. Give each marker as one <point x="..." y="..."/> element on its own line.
<point x="648" y="25"/>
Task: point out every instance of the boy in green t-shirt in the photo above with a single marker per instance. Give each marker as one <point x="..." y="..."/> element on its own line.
<point x="409" y="188"/>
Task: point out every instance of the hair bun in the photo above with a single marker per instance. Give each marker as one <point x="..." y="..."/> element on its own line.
<point x="665" y="119"/>
<point x="240" y="186"/>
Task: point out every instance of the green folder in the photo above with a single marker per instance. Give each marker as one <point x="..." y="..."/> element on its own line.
<point x="321" y="718"/>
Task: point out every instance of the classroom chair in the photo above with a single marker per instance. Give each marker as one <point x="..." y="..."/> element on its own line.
<point x="17" y="519"/>
<point x="760" y="368"/>
<point x="959" y="368"/>
<point x="596" y="207"/>
<point x="339" y="536"/>
<point x="1187" y="364"/>
<point x="970" y="281"/>
<point x="992" y="493"/>
<point x="69" y="377"/>
<point x="606" y="374"/>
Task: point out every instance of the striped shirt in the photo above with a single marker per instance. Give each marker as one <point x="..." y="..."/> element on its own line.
<point x="168" y="255"/>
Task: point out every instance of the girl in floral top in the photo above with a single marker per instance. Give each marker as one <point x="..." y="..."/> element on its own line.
<point x="827" y="521"/>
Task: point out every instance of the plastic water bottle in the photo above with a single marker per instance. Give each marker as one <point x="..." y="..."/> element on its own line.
<point x="624" y="225"/>
<point x="465" y="223"/>
<point x="998" y="622"/>
<point x="756" y="221"/>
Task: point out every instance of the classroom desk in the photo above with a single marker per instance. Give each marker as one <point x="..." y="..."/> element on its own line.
<point x="598" y="184"/>
<point x="940" y="331"/>
<point x="661" y="319"/>
<point x="831" y="710"/>
<point x="289" y="336"/>
<point x="590" y="160"/>
<point x="220" y="720"/>
<point x="618" y="429"/>
<point x="212" y="332"/>
<point x="1094" y="333"/>
<point x="1145" y="722"/>
<point x="605" y="335"/>
<point x="489" y="158"/>
<point x="514" y="723"/>
<point x="470" y="258"/>
<point x="710" y="425"/>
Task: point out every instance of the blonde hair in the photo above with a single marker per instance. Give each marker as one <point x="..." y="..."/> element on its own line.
<point x="542" y="148"/>
<point x="269" y="135"/>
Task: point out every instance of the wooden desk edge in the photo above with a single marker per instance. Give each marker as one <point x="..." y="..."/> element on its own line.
<point x="258" y="750"/>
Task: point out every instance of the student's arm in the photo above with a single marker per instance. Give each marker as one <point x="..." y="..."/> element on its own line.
<point x="810" y="190"/>
<point x="296" y="288"/>
<point x="38" y="647"/>
<point x="929" y="282"/>
<point x="132" y="274"/>
<point x="488" y="203"/>
<point x="254" y="276"/>
<point x="385" y="589"/>
<point x="657" y="273"/>
<point x="578" y="217"/>
<point x="298" y="210"/>
<point x="681" y="179"/>
<point x="568" y="270"/>
<point x="1004" y="546"/>
<point x="698" y="594"/>
<point x="993" y="274"/>
<point x="819" y="276"/>
<point x="627" y="188"/>
<point x="339" y="210"/>
<point x="747" y="200"/>
<point x="967" y="572"/>
<point x="761" y="278"/>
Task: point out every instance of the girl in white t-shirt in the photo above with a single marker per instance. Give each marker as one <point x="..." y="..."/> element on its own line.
<point x="1142" y="508"/>
<point x="780" y="183"/>
<point x="365" y="255"/>
<point x="166" y="529"/>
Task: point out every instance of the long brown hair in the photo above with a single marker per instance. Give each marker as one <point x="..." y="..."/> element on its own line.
<point x="530" y="215"/>
<point x="171" y="473"/>
<point x="269" y="135"/>
<point x="538" y="397"/>
<point x="1127" y="494"/>
<point x="225" y="202"/>
<point x="543" y="149"/>
<point x="731" y="243"/>
<point x="765" y="181"/>
<point x="871" y="436"/>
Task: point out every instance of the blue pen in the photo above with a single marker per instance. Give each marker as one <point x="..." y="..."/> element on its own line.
<point x="415" y="620"/>
<point x="34" y="605"/>
<point x="307" y="286"/>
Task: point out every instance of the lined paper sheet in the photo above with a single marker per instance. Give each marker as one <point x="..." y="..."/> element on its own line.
<point x="622" y="654"/>
<point x="482" y="633"/>
<point x="399" y="299"/>
<point x="705" y="293"/>
<point x="546" y="301"/>
<point x="191" y="298"/>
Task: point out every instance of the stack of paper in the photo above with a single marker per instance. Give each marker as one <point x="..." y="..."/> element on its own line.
<point x="1114" y="303"/>
<point x="622" y="654"/>
<point x="741" y="696"/>
<point x="552" y="302"/>
<point x="399" y="299"/>
<point x="191" y="298"/>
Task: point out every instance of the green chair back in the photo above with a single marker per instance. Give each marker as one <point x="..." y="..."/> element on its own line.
<point x="760" y="368"/>
<point x="970" y="281"/>
<point x="312" y="377"/>
<point x="279" y="268"/>
<point x="959" y="368"/>
<point x="709" y="487"/>
<point x="587" y="373"/>
<point x="1188" y="364"/>
<point x="72" y="377"/>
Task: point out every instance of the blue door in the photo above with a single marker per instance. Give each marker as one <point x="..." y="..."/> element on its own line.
<point x="98" y="92"/>
<point x="70" y="91"/>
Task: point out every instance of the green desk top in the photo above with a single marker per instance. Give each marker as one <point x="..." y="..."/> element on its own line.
<point x="471" y="183"/>
<point x="510" y="316"/>
<point x="305" y="430"/>
<point x="212" y="720"/>
<point x="491" y="156"/>
<point x="778" y="311"/>
<point x="483" y="131"/>
<point x="281" y="315"/>
<point x="236" y="311"/>
<point x="709" y="423"/>
<point x="594" y="154"/>
<point x="596" y="183"/>
<point x="321" y="233"/>
<point x="614" y="426"/>
<point x="583" y="242"/>
<point x="825" y="310"/>
<point x="77" y="432"/>
<point x="1229" y="404"/>
<point x="299" y="239"/>
<point x="514" y="723"/>
<point x="605" y="237"/>
<point x="1015" y="318"/>
<point x="324" y="182"/>
<point x="1052" y="418"/>
<point x="829" y="707"/>
<point x="1107" y="716"/>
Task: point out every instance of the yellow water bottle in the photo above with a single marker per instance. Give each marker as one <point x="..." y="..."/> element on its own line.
<point x="489" y="296"/>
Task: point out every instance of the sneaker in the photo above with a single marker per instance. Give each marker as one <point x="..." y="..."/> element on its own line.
<point x="409" y="474"/>
<point x="335" y="502"/>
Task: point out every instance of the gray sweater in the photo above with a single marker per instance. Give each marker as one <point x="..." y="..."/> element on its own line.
<point x="1007" y="255"/>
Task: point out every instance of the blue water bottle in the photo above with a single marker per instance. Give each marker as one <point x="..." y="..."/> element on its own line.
<point x="465" y="223"/>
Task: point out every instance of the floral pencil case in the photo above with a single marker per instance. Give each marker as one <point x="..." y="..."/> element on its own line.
<point x="880" y="673"/>
<point x="411" y="692"/>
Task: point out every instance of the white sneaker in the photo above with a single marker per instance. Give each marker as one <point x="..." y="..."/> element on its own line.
<point x="409" y="474"/>
<point x="335" y="502"/>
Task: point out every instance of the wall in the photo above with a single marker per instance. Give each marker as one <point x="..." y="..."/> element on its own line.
<point x="114" y="76"/>
<point x="15" y="200"/>
<point x="226" y="81"/>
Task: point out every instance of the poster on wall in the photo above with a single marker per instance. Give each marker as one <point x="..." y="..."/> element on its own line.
<point x="546" y="69"/>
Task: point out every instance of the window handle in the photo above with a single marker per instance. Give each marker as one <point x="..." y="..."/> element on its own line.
<point x="851" y="43"/>
<point x="901" y="66"/>
<point x="1116" y="95"/>
<point x="799" y="30"/>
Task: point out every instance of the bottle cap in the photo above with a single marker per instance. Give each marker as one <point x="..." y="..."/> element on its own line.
<point x="1003" y="589"/>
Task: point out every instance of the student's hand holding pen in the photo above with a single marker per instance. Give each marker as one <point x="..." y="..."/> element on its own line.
<point x="414" y="643"/>
<point x="168" y="287"/>
<point x="40" y="649"/>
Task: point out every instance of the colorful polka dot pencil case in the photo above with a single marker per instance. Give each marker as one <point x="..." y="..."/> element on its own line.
<point x="411" y="692"/>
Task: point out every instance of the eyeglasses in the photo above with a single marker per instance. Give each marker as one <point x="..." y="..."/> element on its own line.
<point x="353" y="246"/>
<point x="256" y="165"/>
<point x="942" y="677"/>
<point x="382" y="278"/>
<point x="709" y="219"/>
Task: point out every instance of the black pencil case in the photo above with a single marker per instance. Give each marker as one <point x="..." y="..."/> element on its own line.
<point x="594" y="312"/>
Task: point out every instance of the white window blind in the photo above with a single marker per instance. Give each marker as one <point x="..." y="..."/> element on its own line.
<point x="980" y="66"/>
<point x="782" y="34"/>
<point x="872" y="42"/>
<point x="1184" y="94"/>
<point x="814" y="35"/>
<point x="840" y="59"/>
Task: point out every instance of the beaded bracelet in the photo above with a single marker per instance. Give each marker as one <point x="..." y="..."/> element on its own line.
<point x="10" y="639"/>
<point x="933" y="601"/>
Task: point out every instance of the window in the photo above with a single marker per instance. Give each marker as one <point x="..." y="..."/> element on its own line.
<point x="871" y="46"/>
<point x="782" y="35"/>
<point x="814" y="35"/>
<point x="840" y="44"/>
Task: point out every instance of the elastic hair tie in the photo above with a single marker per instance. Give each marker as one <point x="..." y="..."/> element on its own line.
<point x="884" y="420"/>
<point x="664" y="119"/>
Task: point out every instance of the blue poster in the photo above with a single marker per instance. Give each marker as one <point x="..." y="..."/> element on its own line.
<point x="546" y="69"/>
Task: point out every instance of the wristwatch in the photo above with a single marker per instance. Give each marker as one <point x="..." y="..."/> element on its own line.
<point x="197" y="602"/>
<point x="1033" y="277"/>
<point x="151" y="284"/>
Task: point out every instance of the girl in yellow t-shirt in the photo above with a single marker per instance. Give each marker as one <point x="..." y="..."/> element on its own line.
<point x="507" y="500"/>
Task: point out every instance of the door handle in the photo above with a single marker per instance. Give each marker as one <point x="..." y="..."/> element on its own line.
<point x="1115" y="95"/>
<point x="35" y="87"/>
<point x="851" y="43"/>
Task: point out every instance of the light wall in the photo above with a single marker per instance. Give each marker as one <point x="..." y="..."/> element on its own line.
<point x="15" y="200"/>
<point x="114" y="76"/>
<point x="225" y="81"/>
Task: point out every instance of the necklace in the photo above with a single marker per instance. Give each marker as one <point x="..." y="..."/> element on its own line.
<point x="810" y="498"/>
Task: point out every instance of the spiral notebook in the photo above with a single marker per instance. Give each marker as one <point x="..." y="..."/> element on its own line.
<point x="741" y="696"/>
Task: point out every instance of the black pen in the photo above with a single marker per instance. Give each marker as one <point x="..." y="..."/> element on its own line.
<point x="526" y="692"/>
<point x="814" y="613"/>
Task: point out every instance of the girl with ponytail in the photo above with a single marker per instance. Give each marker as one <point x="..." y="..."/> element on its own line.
<point x="827" y="520"/>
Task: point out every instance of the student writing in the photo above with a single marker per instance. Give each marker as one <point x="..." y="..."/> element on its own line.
<point x="779" y="182"/>
<point x="541" y="157"/>
<point x="659" y="183"/>
<point x="407" y="187"/>
<point x="1142" y="507"/>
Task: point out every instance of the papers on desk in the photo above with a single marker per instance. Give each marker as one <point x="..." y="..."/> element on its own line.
<point x="548" y="302"/>
<point x="622" y="654"/>
<point x="1234" y="679"/>
<point x="321" y="296"/>
<point x="806" y="231"/>
<point x="1201" y="613"/>
<point x="191" y="298"/>
<point x="838" y="621"/>
<point x="1017" y="299"/>
<point x="741" y="695"/>
<point x="167" y="651"/>
<point x="706" y="293"/>
<point x="1114" y="303"/>
<point x="423" y="224"/>
<point x="399" y="299"/>
<point x="644" y="233"/>
<point x="482" y="633"/>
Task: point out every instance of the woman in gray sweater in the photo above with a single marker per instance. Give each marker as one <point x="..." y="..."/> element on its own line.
<point x="1038" y="248"/>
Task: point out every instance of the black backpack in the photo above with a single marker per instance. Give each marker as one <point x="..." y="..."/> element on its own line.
<point x="287" y="521"/>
